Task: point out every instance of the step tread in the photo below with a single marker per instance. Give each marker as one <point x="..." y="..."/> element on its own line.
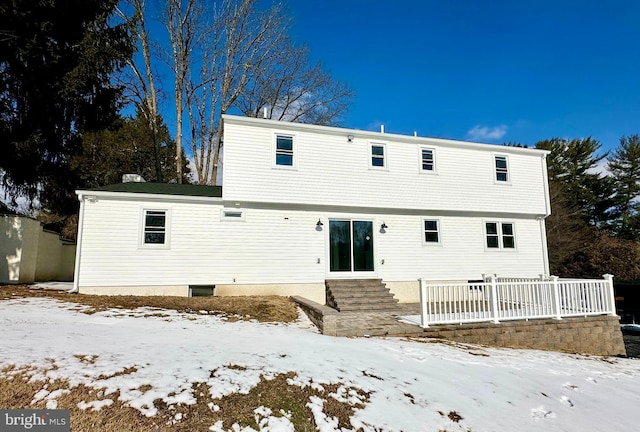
<point x="357" y="295"/>
<point x="376" y="303"/>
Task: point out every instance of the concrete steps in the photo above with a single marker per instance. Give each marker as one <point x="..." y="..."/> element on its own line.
<point x="359" y="295"/>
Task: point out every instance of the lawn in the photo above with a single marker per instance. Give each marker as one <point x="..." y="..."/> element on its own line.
<point x="125" y="364"/>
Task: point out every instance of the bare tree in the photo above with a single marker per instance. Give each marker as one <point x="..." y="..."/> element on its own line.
<point x="141" y="86"/>
<point x="292" y="89"/>
<point x="183" y="21"/>
<point x="234" y="54"/>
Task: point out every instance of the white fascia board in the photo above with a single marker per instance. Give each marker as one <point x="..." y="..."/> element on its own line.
<point x="325" y="208"/>
<point x="129" y="196"/>
<point x="331" y="130"/>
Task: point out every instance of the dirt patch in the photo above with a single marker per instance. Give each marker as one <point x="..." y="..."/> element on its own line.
<point x="109" y="414"/>
<point x="262" y="309"/>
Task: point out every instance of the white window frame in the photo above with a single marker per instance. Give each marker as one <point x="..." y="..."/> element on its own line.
<point x="143" y="228"/>
<point x="500" y="235"/>
<point x="433" y="160"/>
<point x="276" y="152"/>
<point x="232" y="215"/>
<point x="372" y="156"/>
<point x="497" y="170"/>
<point x="438" y="230"/>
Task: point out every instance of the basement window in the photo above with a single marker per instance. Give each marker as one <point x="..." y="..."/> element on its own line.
<point x="201" y="290"/>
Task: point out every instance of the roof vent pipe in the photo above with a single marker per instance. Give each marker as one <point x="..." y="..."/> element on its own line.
<point x="264" y="112"/>
<point x="381" y="128"/>
<point x="415" y="133"/>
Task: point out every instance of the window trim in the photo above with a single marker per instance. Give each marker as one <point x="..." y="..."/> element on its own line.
<point x="143" y="228"/>
<point x="294" y="158"/>
<point x="226" y="217"/>
<point x="423" y="231"/>
<point x="500" y="235"/>
<point x="421" y="160"/>
<point x="384" y="157"/>
<point x="506" y="170"/>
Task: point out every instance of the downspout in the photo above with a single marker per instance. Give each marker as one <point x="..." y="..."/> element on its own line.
<point x="545" y="251"/>
<point x="543" y="226"/>
<point x="76" y="270"/>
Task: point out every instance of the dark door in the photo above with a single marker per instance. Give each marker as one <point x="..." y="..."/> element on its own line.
<point x="350" y="246"/>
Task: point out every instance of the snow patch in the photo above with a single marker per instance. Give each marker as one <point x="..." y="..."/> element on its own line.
<point x="409" y="382"/>
<point x="95" y="405"/>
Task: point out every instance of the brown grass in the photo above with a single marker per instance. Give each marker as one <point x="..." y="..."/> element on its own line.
<point x="17" y="393"/>
<point x="262" y="309"/>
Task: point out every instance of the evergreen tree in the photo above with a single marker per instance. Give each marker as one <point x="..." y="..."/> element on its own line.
<point x="573" y="164"/>
<point x="56" y="58"/>
<point x="624" y="166"/>
<point x="127" y="148"/>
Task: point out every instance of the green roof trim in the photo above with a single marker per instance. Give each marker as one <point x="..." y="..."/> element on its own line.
<point x="163" y="189"/>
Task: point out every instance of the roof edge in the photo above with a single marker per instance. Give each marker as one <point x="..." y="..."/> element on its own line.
<point x="333" y="130"/>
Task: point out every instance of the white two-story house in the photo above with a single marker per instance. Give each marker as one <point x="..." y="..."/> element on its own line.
<point x="302" y="204"/>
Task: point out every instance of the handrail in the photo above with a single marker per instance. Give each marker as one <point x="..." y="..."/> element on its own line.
<point x="504" y="299"/>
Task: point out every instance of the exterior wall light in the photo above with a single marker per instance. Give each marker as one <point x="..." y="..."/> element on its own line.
<point x="383" y="226"/>
<point x="319" y="223"/>
<point x="350" y="138"/>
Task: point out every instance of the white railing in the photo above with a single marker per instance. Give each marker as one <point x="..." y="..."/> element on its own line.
<point x="515" y="299"/>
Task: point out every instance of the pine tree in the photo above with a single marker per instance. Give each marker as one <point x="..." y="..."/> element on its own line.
<point x="624" y="166"/>
<point x="573" y="164"/>
<point x="56" y="61"/>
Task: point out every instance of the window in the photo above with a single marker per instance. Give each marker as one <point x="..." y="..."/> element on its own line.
<point x="155" y="227"/>
<point x="502" y="169"/>
<point x="377" y="156"/>
<point x="508" y="239"/>
<point x="232" y="214"/>
<point x="431" y="231"/>
<point x="500" y="235"/>
<point x="284" y="150"/>
<point x="427" y="160"/>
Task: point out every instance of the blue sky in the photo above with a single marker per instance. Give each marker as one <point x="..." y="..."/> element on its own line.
<point x="488" y="71"/>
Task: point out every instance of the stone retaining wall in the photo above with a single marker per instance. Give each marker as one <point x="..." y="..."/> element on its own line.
<point x="324" y="317"/>
<point x="598" y="335"/>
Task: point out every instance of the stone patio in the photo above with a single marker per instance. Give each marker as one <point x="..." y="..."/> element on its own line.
<point x="596" y="335"/>
<point x="358" y="323"/>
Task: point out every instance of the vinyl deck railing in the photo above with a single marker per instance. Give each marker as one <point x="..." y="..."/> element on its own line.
<point x="501" y="299"/>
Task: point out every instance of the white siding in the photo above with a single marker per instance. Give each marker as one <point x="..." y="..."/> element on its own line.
<point x="284" y="246"/>
<point x="264" y="248"/>
<point x="112" y="255"/>
<point x="461" y="253"/>
<point x="332" y="171"/>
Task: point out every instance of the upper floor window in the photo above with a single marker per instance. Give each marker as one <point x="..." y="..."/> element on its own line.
<point x="284" y="150"/>
<point x="500" y="235"/>
<point x="502" y="168"/>
<point x="378" y="156"/>
<point x="155" y="227"/>
<point x="427" y="160"/>
<point x="431" y="231"/>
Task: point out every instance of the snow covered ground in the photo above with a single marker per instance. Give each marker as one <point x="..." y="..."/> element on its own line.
<point x="411" y="382"/>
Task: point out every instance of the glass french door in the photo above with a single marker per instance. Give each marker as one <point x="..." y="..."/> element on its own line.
<point x="350" y="246"/>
